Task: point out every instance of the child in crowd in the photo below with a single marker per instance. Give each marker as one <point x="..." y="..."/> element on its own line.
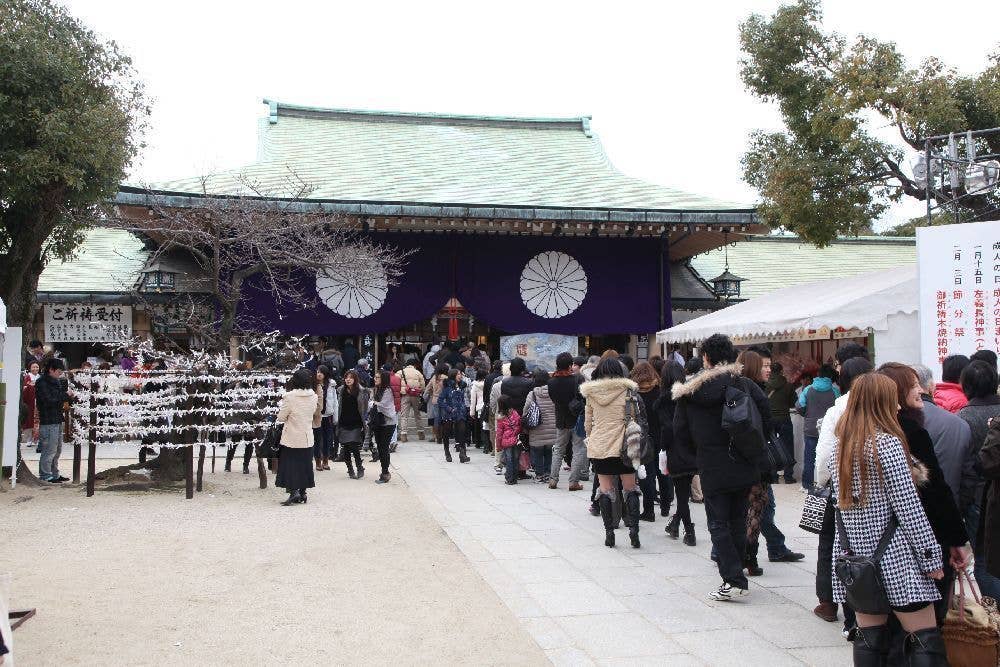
<point x="453" y="412"/>
<point x="507" y="436"/>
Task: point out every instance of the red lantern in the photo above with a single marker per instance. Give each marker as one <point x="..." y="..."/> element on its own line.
<point x="452" y="323"/>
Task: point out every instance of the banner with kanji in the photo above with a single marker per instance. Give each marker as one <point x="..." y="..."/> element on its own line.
<point x="959" y="269"/>
<point x="87" y="323"/>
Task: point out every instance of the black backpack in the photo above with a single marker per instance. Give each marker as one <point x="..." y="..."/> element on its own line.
<point x="742" y="420"/>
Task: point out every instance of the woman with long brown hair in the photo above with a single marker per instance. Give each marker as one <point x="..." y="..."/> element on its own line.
<point x="873" y="477"/>
<point x="760" y="513"/>
<point x="935" y="494"/>
<point x="352" y="406"/>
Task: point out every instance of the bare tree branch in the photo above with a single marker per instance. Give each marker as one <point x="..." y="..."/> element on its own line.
<point x="252" y="238"/>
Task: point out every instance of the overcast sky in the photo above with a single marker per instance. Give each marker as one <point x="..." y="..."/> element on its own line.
<point x="661" y="79"/>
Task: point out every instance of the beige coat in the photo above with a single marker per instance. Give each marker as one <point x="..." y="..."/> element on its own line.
<point x="604" y="419"/>
<point x="298" y="409"/>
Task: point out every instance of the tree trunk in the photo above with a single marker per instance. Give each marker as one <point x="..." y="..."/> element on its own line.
<point x="28" y="226"/>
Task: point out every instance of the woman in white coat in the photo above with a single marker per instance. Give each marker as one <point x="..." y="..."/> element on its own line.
<point x="297" y="412"/>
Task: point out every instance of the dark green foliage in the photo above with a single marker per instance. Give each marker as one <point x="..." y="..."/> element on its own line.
<point x="71" y="112"/>
<point x="827" y="174"/>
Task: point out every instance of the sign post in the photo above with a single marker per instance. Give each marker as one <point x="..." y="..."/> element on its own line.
<point x="959" y="278"/>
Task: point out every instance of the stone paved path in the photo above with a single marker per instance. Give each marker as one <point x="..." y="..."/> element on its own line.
<point x="586" y="604"/>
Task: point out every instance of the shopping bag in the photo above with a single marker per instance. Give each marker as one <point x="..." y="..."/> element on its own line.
<point x="971" y="629"/>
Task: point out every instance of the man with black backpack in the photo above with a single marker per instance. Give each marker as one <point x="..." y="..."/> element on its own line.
<point x="718" y="417"/>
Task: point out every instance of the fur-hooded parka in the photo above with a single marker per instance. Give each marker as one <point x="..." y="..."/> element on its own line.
<point x="604" y="419"/>
<point x="698" y="428"/>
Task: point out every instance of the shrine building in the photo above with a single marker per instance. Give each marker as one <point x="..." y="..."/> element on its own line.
<point x="517" y="225"/>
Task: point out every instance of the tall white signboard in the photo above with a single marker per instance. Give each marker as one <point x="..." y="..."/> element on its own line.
<point x="10" y="374"/>
<point x="959" y="268"/>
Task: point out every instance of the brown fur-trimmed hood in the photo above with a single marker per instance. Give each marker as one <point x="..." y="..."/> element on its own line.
<point x="606" y="390"/>
<point x="707" y="383"/>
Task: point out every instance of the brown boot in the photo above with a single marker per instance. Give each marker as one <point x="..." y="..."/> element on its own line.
<point x="326" y="463"/>
<point x="403" y="438"/>
<point x="319" y="464"/>
<point x="576" y="486"/>
<point x="827" y="611"/>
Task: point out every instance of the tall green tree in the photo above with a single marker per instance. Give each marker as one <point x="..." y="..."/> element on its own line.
<point x="72" y="112"/>
<point x="828" y="173"/>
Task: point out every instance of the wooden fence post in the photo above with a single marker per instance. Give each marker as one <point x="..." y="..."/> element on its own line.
<point x="77" y="449"/>
<point x="92" y="438"/>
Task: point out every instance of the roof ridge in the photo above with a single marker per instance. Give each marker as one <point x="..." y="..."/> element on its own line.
<point x="277" y="109"/>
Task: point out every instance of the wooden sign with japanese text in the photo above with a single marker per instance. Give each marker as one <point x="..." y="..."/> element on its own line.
<point x="87" y="323"/>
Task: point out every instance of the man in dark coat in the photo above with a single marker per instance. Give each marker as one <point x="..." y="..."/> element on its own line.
<point x="726" y="476"/>
<point x="564" y="390"/>
<point x="350" y="355"/>
<point x="781" y="395"/>
<point x="518" y="385"/>
<point x="50" y="395"/>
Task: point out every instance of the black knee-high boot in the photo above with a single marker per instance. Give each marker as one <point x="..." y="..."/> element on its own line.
<point x="925" y="648"/>
<point x="604" y="502"/>
<point x="447" y="452"/>
<point x="871" y="646"/>
<point x="632" y="508"/>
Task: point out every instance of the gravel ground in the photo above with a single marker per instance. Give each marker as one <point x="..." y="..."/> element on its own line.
<point x="360" y="574"/>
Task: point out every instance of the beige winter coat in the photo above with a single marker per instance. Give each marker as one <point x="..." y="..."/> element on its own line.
<point x="298" y="409"/>
<point x="604" y="419"/>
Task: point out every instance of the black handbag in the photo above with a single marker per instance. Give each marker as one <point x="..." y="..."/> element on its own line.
<point x="861" y="575"/>
<point x="742" y="421"/>
<point x="268" y="447"/>
<point x="777" y="455"/>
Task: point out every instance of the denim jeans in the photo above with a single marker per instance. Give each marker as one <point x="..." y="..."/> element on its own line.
<point x="727" y="523"/>
<point x="772" y="535"/>
<point x="541" y="461"/>
<point x="988" y="584"/>
<point x="323" y="438"/>
<point x="578" y="469"/>
<point x="511" y="455"/>
<point x="809" y="462"/>
<point x="50" y="438"/>
<point x="786" y="435"/>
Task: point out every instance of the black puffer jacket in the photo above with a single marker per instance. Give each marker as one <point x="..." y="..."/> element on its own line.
<point x="517" y="388"/>
<point x="680" y="460"/>
<point x="49" y="398"/>
<point x="698" y="427"/>
<point x="935" y="494"/>
<point x="649" y="399"/>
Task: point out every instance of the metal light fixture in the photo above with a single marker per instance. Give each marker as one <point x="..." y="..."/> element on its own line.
<point x="726" y="285"/>
<point x="921" y="172"/>
<point x="156" y="279"/>
<point x="982" y="176"/>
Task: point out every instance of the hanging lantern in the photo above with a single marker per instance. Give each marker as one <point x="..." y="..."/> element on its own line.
<point x="726" y="285"/>
<point x="452" y="321"/>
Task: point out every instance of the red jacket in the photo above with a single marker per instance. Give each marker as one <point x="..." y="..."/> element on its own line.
<point x="396" y="385"/>
<point x="508" y="430"/>
<point x="28" y="398"/>
<point x="949" y="396"/>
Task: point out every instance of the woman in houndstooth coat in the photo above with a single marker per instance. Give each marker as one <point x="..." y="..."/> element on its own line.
<point x="871" y="449"/>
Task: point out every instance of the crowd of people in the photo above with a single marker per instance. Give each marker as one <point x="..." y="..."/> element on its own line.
<point x="906" y="463"/>
<point x="899" y="458"/>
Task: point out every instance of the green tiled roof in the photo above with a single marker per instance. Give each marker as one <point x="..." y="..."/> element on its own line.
<point x="431" y="158"/>
<point x="109" y="260"/>
<point x="770" y="263"/>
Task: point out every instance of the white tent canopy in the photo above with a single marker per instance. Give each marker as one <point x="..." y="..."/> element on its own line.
<point x="3" y="317"/>
<point x="863" y="301"/>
